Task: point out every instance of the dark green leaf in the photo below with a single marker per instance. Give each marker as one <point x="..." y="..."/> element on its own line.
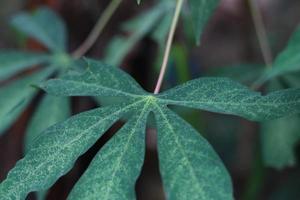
<point x="12" y="62"/>
<point x="222" y="95"/>
<point x="161" y="31"/>
<point x="279" y="138"/>
<point x="114" y="170"/>
<point x="189" y="166"/>
<point x="50" y="111"/>
<point x="280" y="133"/>
<point x="243" y="73"/>
<point x="139" y="27"/>
<point x="288" y="60"/>
<point x="55" y="152"/>
<point x="98" y="80"/>
<point x="16" y="96"/>
<point x="201" y="12"/>
<point x="45" y="26"/>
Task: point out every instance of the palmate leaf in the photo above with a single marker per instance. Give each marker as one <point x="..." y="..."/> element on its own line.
<point x="12" y="62"/>
<point x="45" y="26"/>
<point x="55" y="152"/>
<point x="114" y="171"/>
<point x="189" y="166"/>
<point x="15" y="96"/>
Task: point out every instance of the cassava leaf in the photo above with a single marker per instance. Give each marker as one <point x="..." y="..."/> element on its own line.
<point x="139" y="27"/>
<point x="11" y="62"/>
<point x="15" y="96"/>
<point x="244" y="73"/>
<point x="55" y="152"/>
<point x="280" y="133"/>
<point x="45" y="26"/>
<point x="98" y="80"/>
<point x="279" y="138"/>
<point x="161" y="31"/>
<point x="288" y="60"/>
<point x="189" y="166"/>
<point x="222" y="95"/>
<point x="114" y="170"/>
<point x="201" y="12"/>
<point x="59" y="109"/>
<point x="154" y="14"/>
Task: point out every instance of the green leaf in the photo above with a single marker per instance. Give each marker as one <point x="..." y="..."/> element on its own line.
<point x="55" y="152"/>
<point x="280" y="133"/>
<point x="161" y="31"/>
<point x="114" y="170"/>
<point x="50" y="111"/>
<point x="15" y="96"/>
<point x="201" y="12"/>
<point x="244" y="73"/>
<point x="288" y="60"/>
<point x="98" y="80"/>
<point x="12" y="62"/>
<point x="222" y="95"/>
<point x="279" y="139"/>
<point x="45" y="26"/>
<point x="189" y="166"/>
<point x="139" y="27"/>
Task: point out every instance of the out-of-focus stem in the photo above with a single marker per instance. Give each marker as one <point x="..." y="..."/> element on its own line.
<point x="97" y="30"/>
<point x="168" y="46"/>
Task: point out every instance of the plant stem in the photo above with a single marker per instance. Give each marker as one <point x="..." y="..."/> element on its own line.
<point x="179" y="5"/>
<point x="261" y="32"/>
<point x="101" y="23"/>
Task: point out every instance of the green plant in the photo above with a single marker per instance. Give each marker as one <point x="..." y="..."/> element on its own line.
<point x="189" y="166"/>
<point x="16" y="95"/>
<point x="283" y="73"/>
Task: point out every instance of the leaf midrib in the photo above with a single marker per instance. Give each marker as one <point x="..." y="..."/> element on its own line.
<point x="145" y="108"/>
<point x="178" y="102"/>
<point x="191" y="169"/>
<point x="105" y="88"/>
